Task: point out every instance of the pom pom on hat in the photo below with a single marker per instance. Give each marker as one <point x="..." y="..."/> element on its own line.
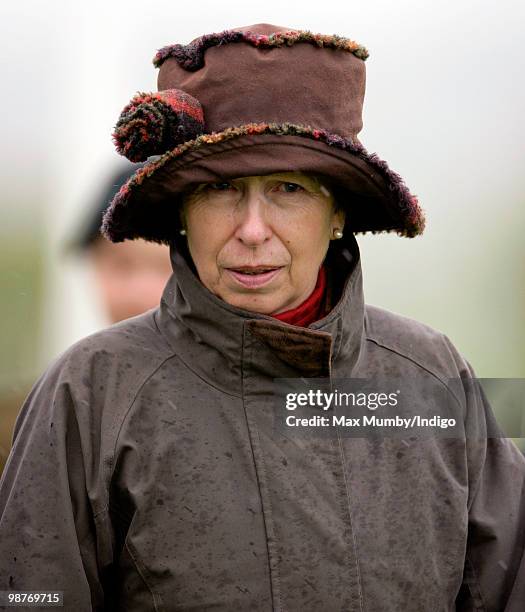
<point x="153" y="123"/>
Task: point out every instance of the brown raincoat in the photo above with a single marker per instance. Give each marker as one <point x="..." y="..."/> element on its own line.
<point x="146" y="473"/>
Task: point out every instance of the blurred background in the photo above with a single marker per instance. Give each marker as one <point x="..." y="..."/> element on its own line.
<point x="444" y="106"/>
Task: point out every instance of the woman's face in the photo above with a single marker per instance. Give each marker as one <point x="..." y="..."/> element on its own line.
<point x="258" y="242"/>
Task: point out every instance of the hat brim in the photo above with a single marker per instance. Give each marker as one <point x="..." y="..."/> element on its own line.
<point x="375" y="197"/>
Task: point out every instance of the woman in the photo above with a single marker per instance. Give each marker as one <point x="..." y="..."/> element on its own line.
<point x="147" y="470"/>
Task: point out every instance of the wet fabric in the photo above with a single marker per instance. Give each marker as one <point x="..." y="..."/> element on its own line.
<point x="146" y="472"/>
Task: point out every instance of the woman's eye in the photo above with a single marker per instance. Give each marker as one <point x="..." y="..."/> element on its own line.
<point x="290" y="187"/>
<point x="220" y="186"/>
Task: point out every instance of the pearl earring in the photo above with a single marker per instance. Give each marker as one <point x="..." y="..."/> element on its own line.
<point x="182" y="232"/>
<point x="338" y="234"/>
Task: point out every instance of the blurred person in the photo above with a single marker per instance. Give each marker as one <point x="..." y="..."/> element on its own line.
<point x="130" y="276"/>
<point x="129" y="279"/>
<point x="148" y="471"/>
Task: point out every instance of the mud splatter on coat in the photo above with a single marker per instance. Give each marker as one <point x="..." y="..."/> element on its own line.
<point x="146" y="473"/>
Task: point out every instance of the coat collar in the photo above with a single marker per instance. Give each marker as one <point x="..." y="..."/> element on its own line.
<point x="209" y="335"/>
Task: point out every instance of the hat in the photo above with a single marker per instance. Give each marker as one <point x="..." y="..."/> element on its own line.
<point x="89" y="230"/>
<point x="252" y="101"/>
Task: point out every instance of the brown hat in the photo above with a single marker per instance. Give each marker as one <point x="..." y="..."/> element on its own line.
<point x="254" y="101"/>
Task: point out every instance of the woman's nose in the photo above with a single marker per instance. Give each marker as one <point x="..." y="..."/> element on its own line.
<point x="253" y="228"/>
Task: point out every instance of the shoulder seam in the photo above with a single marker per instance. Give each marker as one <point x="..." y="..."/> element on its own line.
<point x="141" y="386"/>
<point x="416" y="362"/>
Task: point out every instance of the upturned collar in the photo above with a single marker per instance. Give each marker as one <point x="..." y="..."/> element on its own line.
<point x="209" y="335"/>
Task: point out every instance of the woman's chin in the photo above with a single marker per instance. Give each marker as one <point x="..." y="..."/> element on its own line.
<point x="258" y="303"/>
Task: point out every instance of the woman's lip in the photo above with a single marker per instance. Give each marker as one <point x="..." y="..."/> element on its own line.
<point x="253" y="281"/>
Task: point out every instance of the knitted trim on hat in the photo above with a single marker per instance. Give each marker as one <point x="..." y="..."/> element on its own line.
<point x="412" y="215"/>
<point x="191" y="56"/>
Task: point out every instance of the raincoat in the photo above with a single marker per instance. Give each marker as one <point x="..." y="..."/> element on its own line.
<point x="147" y="472"/>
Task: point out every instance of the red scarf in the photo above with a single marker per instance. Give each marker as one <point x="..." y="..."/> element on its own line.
<point x="311" y="310"/>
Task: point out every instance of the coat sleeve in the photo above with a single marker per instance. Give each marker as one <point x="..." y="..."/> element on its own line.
<point x="494" y="574"/>
<point x="50" y="538"/>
